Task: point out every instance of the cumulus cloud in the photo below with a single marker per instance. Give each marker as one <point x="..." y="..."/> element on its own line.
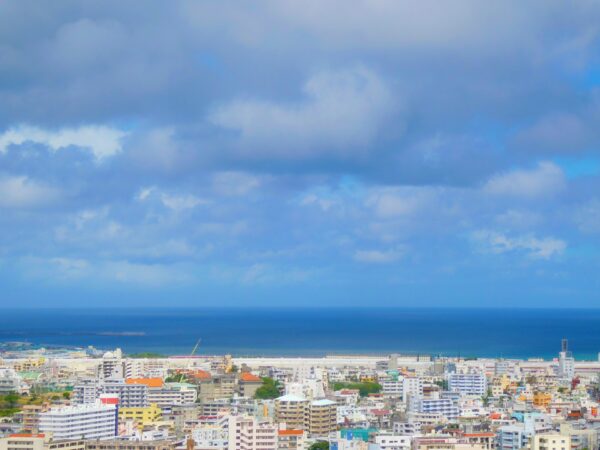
<point x="343" y="111"/>
<point x="496" y="242"/>
<point x="102" y="141"/>
<point x="176" y="202"/>
<point x="544" y="180"/>
<point x="378" y="256"/>
<point x="23" y="192"/>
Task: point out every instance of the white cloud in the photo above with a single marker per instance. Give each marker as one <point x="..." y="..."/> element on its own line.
<point x="23" y="192"/>
<point x="378" y="256"/>
<point x="67" y="269"/>
<point x="343" y="110"/>
<point x="495" y="242"/>
<point x="175" y="202"/>
<point x="544" y="180"/>
<point x="102" y="141"/>
<point x="587" y="216"/>
<point x="399" y="201"/>
<point x="233" y="183"/>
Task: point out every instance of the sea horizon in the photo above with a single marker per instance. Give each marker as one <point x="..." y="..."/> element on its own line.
<point x="304" y="331"/>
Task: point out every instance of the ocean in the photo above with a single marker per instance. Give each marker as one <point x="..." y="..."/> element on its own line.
<point x="509" y="333"/>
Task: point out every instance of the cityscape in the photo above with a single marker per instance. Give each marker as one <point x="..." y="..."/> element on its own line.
<point x="89" y="399"/>
<point x="299" y="225"/>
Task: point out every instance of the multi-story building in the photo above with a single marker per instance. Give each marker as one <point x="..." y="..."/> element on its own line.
<point x="10" y="382"/>
<point x="129" y="445"/>
<point x="411" y="387"/>
<point x="290" y="439"/>
<point x="389" y="441"/>
<point x="443" y="406"/>
<point x="322" y="417"/>
<point x="468" y="383"/>
<point x="95" y="421"/>
<point x="112" y="365"/>
<point x="292" y="411"/>
<point x="131" y="395"/>
<point x="142" y="416"/>
<point x="550" y="441"/>
<point x="30" y="417"/>
<point x="38" y="441"/>
<point x="173" y="394"/>
<point x="511" y="437"/>
<point x="247" y="433"/>
<point x="392" y="388"/>
<point x="248" y="384"/>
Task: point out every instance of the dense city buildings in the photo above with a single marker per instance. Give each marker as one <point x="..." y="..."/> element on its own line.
<point x="78" y="400"/>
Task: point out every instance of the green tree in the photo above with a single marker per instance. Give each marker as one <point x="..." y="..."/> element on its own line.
<point x="11" y="400"/>
<point x="66" y="395"/>
<point x="320" y="445"/>
<point x="176" y="378"/>
<point x="269" y="389"/>
<point x="365" y="388"/>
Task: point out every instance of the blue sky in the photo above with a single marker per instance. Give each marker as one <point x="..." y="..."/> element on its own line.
<point x="223" y="153"/>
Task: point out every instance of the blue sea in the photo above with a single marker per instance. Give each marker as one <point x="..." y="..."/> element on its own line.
<point x="510" y="333"/>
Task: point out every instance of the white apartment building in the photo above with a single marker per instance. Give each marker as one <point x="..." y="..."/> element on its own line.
<point x="443" y="406"/>
<point x="392" y="388"/>
<point x="112" y="365"/>
<point x="95" y="421"/>
<point x="173" y="394"/>
<point x="393" y="442"/>
<point x="550" y="441"/>
<point x="130" y="395"/>
<point x="412" y="386"/>
<point x="10" y="381"/>
<point x="468" y="383"/>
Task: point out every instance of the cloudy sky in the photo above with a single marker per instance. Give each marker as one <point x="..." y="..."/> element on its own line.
<point x="377" y="152"/>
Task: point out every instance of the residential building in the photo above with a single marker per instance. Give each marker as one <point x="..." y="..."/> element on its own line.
<point x="95" y="421"/>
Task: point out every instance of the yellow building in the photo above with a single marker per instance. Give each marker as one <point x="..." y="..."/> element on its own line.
<point x="542" y="399"/>
<point x="551" y="441"/>
<point x="143" y="416"/>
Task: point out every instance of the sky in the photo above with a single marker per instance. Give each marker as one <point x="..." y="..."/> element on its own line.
<point x="314" y="153"/>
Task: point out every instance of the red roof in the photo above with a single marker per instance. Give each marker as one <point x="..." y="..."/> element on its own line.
<point x="26" y="435"/>
<point x="248" y="377"/>
<point x="201" y="375"/>
<point x="150" y="382"/>
<point x="290" y="432"/>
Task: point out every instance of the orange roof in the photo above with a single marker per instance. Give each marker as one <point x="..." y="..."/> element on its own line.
<point x="201" y="375"/>
<point x="247" y="376"/>
<point x="495" y="416"/>
<point x="150" y="382"/>
<point x="479" y="435"/>
<point x="26" y="435"/>
<point x="290" y="432"/>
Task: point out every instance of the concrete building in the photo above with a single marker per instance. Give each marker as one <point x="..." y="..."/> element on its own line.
<point x="468" y="383"/>
<point x="173" y="394"/>
<point x="142" y="416"/>
<point x="248" y="384"/>
<point x="290" y="440"/>
<point x="112" y="365"/>
<point x="550" y="441"/>
<point x="11" y="382"/>
<point x="388" y="441"/>
<point x="443" y="406"/>
<point x="38" y="441"/>
<point x="129" y="445"/>
<point x="96" y="421"/>
<point x="292" y="411"/>
<point x="322" y="417"/>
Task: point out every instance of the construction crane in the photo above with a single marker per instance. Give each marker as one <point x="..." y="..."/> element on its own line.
<point x="196" y="347"/>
